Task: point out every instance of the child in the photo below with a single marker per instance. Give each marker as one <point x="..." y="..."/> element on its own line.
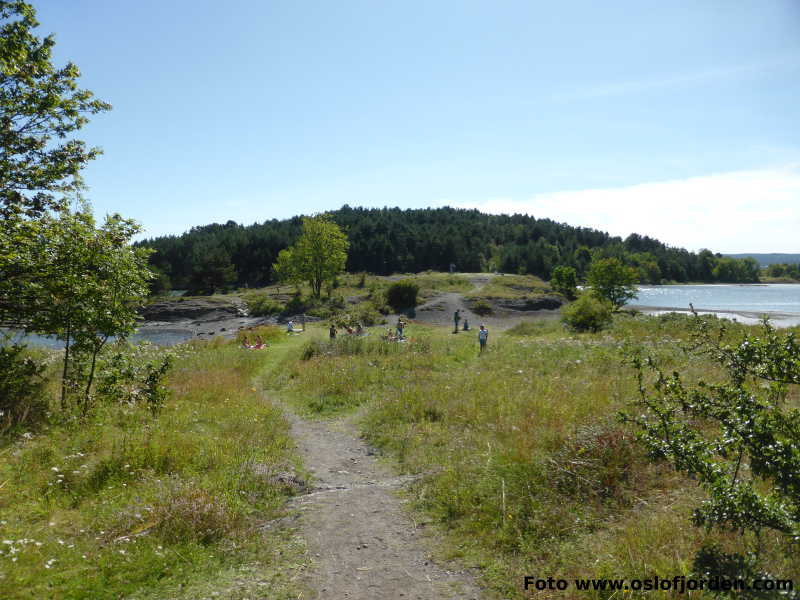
<point x="483" y="336"/>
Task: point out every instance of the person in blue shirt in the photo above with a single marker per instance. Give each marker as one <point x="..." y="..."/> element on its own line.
<point x="483" y="336"/>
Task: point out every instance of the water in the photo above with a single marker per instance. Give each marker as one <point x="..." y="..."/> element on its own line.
<point x="781" y="301"/>
<point x="159" y="336"/>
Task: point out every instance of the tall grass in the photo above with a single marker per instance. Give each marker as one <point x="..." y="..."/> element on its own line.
<point x="528" y="469"/>
<point x="128" y="505"/>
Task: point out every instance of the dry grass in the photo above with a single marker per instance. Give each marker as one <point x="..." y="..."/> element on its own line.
<point x="127" y="505"/>
<point x="531" y="471"/>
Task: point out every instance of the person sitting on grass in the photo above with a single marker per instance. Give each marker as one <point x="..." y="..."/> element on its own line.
<point x="259" y="343"/>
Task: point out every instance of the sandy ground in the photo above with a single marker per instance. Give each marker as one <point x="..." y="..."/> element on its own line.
<point x="439" y="311"/>
<point x="362" y="543"/>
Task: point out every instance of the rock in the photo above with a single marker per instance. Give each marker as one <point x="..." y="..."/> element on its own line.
<point x="530" y="303"/>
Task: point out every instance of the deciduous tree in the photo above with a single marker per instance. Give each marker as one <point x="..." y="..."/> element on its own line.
<point x="318" y="256"/>
<point x="609" y="278"/>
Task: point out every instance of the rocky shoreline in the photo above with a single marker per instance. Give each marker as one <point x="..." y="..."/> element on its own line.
<point x="184" y="319"/>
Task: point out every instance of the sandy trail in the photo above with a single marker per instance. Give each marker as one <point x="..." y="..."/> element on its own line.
<point x="439" y="310"/>
<point x="363" y="545"/>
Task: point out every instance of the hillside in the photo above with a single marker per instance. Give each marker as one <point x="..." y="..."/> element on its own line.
<point x="391" y="240"/>
<point x="772" y="258"/>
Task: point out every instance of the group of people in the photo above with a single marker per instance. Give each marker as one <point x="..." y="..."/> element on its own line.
<point x="398" y="335"/>
<point x="259" y="344"/>
<point x="348" y="330"/>
<point x="483" y="332"/>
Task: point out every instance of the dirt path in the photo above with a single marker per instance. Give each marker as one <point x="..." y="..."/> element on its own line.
<point x="439" y="310"/>
<point x="362" y="544"/>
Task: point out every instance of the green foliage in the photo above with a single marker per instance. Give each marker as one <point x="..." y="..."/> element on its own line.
<point x="134" y="375"/>
<point x="610" y="279"/>
<point x="402" y="294"/>
<point x="784" y="270"/>
<point x="261" y="305"/>
<point x="587" y="313"/>
<point x="171" y="505"/>
<point x="564" y="280"/>
<point x="386" y="241"/>
<point x="41" y="106"/>
<point x="212" y="270"/>
<point x="60" y="273"/>
<point x="318" y="256"/>
<point x="481" y="307"/>
<point x="738" y="437"/>
<point x="22" y="399"/>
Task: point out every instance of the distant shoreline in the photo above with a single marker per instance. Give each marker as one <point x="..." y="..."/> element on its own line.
<point x="779" y="319"/>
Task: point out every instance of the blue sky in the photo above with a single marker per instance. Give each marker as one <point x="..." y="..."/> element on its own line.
<point x="672" y="119"/>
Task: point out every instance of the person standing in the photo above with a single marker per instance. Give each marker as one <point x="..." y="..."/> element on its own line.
<point x="483" y="336"/>
<point x="332" y="331"/>
<point x="400" y="326"/>
<point x="456" y="319"/>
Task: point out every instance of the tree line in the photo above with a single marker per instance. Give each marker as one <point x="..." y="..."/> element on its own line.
<point x="392" y="240"/>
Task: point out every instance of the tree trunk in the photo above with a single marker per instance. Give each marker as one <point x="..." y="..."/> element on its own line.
<point x="97" y="349"/>
<point x="64" y="371"/>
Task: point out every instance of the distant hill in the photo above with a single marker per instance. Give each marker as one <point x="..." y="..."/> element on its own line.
<point x="391" y="240"/>
<point x="770" y="259"/>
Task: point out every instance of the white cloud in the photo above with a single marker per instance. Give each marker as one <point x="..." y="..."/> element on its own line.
<point x="742" y="211"/>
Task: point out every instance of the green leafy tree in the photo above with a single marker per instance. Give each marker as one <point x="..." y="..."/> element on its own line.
<point x="41" y="107"/>
<point x="609" y="278"/>
<point x="90" y="294"/>
<point x="318" y="256"/>
<point x="564" y="280"/>
<point x="213" y="269"/>
<point x="587" y="313"/>
<point x="739" y="438"/>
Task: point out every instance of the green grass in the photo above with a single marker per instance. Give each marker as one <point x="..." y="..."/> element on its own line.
<point x="510" y="287"/>
<point x="529" y="470"/>
<point x="128" y="505"/>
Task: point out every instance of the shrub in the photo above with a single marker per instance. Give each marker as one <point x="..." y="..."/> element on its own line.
<point x="186" y="513"/>
<point x="261" y="305"/>
<point x="564" y="280"/>
<point x="402" y="294"/>
<point x="587" y="313"/>
<point x="482" y="307"/>
<point x="737" y="437"/>
<point x="21" y="387"/>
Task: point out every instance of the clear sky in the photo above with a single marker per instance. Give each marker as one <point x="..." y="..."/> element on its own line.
<point x="677" y="120"/>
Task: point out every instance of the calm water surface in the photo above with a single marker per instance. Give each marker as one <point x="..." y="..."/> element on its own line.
<point x="779" y="300"/>
<point x="158" y="336"/>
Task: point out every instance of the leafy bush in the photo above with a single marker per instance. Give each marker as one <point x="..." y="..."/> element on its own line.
<point x="738" y="438"/>
<point x="481" y="307"/>
<point x="21" y="387"/>
<point x="402" y="294"/>
<point x="564" y="280"/>
<point x="261" y="305"/>
<point x="132" y="374"/>
<point x="364" y="313"/>
<point x="612" y="280"/>
<point x="587" y="313"/>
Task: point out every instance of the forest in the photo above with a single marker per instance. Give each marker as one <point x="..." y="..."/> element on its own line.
<point x="393" y="240"/>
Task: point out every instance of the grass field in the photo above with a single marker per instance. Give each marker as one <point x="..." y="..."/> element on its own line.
<point x="128" y="505"/>
<point x="529" y="470"/>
